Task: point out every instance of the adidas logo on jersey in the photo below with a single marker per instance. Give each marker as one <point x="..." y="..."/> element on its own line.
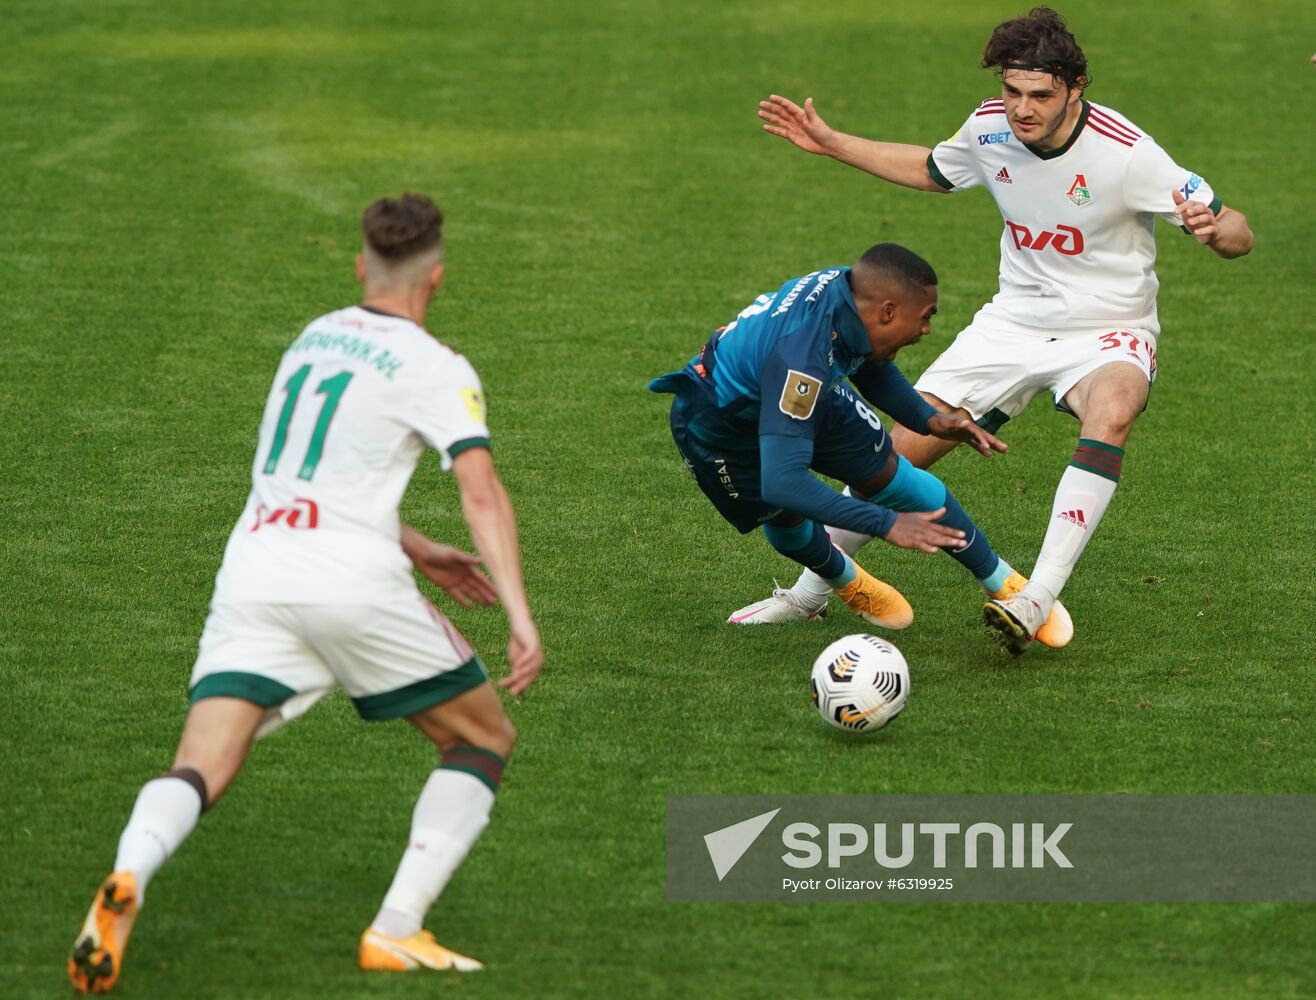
<point x="1003" y="177"/>
<point x="1074" y="517"/>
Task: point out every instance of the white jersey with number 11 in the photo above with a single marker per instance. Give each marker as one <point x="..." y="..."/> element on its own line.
<point x="355" y="401"/>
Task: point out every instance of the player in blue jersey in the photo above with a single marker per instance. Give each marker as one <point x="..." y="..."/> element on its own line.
<point x="766" y="400"/>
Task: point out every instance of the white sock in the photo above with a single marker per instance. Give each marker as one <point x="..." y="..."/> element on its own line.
<point x="1081" y="500"/>
<point x="166" y="811"/>
<point x="452" y="810"/>
<point x="810" y="589"/>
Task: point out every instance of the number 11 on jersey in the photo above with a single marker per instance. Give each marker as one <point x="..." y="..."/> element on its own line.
<point x="332" y="389"/>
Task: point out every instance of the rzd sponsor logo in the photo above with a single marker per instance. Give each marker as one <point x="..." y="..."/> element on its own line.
<point x="1066" y="239"/>
<point x="302" y="514"/>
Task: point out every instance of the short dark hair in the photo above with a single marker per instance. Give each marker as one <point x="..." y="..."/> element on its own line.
<point x="401" y="227"/>
<point x="1041" y="40"/>
<point x="892" y="262"/>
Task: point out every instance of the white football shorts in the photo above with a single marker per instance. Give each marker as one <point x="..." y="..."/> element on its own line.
<point x="392" y="659"/>
<point x="994" y="371"/>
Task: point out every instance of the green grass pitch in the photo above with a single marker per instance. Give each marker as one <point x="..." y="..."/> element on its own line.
<point x="181" y="185"/>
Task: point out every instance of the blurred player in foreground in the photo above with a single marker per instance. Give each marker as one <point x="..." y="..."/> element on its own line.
<point x="765" y="401"/>
<point x="1079" y="187"/>
<point x="316" y="590"/>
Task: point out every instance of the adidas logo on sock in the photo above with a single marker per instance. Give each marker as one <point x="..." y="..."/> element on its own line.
<point x="1003" y="176"/>
<point x="1074" y="517"/>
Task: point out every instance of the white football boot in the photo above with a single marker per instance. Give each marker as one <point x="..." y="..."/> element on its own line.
<point x="1016" y="618"/>
<point x="1059" y="627"/>
<point x="782" y="606"/>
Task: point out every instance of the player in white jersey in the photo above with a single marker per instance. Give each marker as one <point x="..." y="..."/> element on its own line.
<point x="1079" y="188"/>
<point x="316" y="590"/>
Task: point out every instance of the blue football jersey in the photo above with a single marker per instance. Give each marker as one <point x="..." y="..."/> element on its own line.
<point x="768" y="368"/>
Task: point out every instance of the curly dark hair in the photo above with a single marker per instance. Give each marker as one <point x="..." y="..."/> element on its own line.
<point x="400" y="227"/>
<point x="1038" y="39"/>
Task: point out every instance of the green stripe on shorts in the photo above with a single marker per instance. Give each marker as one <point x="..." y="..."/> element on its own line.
<point x="235" y="684"/>
<point x="423" y="694"/>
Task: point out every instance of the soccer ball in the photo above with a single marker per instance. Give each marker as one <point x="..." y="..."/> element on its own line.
<point x="860" y="683"/>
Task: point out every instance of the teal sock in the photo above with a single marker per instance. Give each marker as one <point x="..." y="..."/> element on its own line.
<point x="996" y="581"/>
<point x="846" y="578"/>
<point x="913" y="489"/>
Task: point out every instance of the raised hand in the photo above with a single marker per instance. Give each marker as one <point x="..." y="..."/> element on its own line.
<point x="917" y="530"/>
<point x="802" y="126"/>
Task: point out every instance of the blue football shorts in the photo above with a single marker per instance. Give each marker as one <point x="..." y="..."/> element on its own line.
<point x="850" y="444"/>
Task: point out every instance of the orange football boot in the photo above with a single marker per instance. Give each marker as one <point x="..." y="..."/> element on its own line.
<point x="420" y="951"/>
<point x="876" y="602"/>
<point x="97" y="955"/>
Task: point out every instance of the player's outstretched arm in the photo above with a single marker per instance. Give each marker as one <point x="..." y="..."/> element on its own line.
<point x="1226" y="232"/>
<point x="489" y="515"/>
<point x="896" y="162"/>
<point x="787" y="483"/>
<point x="457" y="572"/>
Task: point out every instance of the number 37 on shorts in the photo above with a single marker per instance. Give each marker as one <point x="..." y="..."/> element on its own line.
<point x="1142" y="350"/>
